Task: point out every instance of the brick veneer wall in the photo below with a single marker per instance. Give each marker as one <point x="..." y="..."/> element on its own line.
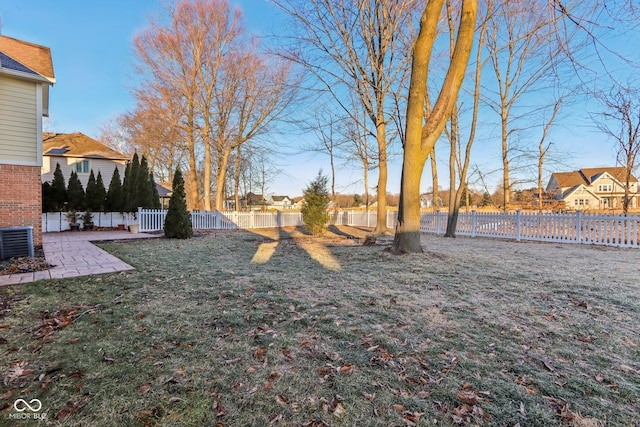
<point x="21" y="198"/>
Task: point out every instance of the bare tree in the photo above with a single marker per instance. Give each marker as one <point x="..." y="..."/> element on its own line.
<point x="180" y="61"/>
<point x="543" y="149"/>
<point x="356" y="46"/>
<point x="253" y="94"/>
<point x="523" y="51"/>
<point x="421" y="136"/>
<point x="327" y="129"/>
<point x="459" y="159"/>
<point x="357" y="137"/>
<point x="621" y="123"/>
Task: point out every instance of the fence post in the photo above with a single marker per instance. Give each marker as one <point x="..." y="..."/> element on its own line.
<point x="473" y="223"/>
<point x="518" y="225"/>
<point x="579" y="226"/>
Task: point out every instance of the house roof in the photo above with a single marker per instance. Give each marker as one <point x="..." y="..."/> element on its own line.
<point x="25" y="57"/>
<point x="163" y="191"/>
<point x="587" y="176"/>
<point x="255" y="199"/>
<point x="77" y="144"/>
<point x="279" y="198"/>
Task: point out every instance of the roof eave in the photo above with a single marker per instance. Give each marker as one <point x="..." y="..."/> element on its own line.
<point x="27" y="76"/>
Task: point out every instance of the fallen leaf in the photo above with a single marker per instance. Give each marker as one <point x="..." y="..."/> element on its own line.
<point x="276" y="419"/>
<point x="599" y="378"/>
<point x="348" y="367"/>
<point x="144" y="388"/>
<point x="469" y="397"/>
<point x="339" y="410"/>
<point x="260" y="352"/>
<point x="628" y="368"/>
<point x="6" y="395"/>
<point x="175" y="399"/>
<point x="398" y="408"/>
<point x="140" y="315"/>
<point x="368" y="396"/>
<point x="73" y="340"/>
<point x="281" y="400"/>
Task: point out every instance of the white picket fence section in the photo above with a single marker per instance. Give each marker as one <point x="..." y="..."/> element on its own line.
<point x="57" y="221"/>
<point x="572" y="227"/>
<point x="153" y="220"/>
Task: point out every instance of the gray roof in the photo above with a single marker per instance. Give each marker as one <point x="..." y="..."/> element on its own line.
<point x="11" y="64"/>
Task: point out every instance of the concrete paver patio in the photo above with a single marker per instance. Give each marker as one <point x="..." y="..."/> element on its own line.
<point x="73" y="254"/>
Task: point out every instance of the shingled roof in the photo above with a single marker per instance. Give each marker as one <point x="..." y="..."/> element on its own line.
<point x="586" y="176"/>
<point x="25" y="57"/>
<point x="77" y="144"/>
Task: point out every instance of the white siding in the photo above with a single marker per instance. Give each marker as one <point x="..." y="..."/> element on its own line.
<point x="20" y="122"/>
<point x="68" y="164"/>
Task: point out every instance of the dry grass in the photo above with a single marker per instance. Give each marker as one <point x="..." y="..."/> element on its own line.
<point x="275" y="328"/>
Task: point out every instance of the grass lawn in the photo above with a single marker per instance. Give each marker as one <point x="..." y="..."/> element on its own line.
<point x="272" y="327"/>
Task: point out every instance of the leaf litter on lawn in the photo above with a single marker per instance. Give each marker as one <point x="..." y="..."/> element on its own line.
<point x="472" y="332"/>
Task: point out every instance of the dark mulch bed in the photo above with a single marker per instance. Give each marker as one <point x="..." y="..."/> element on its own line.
<point x="25" y="264"/>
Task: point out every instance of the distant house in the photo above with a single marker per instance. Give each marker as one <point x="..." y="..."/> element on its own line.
<point x="250" y="201"/>
<point x="82" y="154"/>
<point x="26" y="72"/>
<point x="593" y="188"/>
<point x="165" y="192"/>
<point x="280" y="203"/>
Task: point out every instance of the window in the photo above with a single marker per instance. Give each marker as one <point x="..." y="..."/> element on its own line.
<point x="605" y="188"/>
<point x="82" y="166"/>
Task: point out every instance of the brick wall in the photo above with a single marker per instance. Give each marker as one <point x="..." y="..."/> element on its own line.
<point x="21" y="198"/>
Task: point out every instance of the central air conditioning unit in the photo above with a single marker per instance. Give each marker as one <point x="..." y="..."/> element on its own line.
<point x="16" y="242"/>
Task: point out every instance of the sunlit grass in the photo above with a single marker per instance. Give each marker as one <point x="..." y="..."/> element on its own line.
<point x="256" y="328"/>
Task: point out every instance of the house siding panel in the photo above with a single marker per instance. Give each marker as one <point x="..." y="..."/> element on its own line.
<point x="68" y="164"/>
<point x="19" y="126"/>
<point x="21" y="198"/>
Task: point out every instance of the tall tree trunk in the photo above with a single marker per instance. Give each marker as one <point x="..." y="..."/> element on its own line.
<point x="193" y="173"/>
<point x="221" y="173"/>
<point x="419" y="139"/>
<point x="365" y="165"/>
<point x="207" y="170"/>
<point x="506" y="187"/>
<point x="381" y="137"/>
<point x="434" y="180"/>
<point x="454" y="205"/>
<point x="236" y="175"/>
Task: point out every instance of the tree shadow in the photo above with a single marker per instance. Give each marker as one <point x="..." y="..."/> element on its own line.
<point x="335" y="230"/>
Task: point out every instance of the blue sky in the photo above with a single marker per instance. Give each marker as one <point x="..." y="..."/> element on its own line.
<point x="91" y="45"/>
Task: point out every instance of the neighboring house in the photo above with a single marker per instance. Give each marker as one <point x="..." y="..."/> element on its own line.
<point x="250" y="201"/>
<point x="280" y="203"/>
<point x="253" y="202"/>
<point x="593" y="188"/>
<point x="26" y="72"/>
<point x="82" y="154"/>
<point x="164" y="191"/>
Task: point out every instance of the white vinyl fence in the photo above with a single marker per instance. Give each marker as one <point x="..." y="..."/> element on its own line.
<point x="153" y="220"/>
<point x="57" y="221"/>
<point x="573" y="227"/>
